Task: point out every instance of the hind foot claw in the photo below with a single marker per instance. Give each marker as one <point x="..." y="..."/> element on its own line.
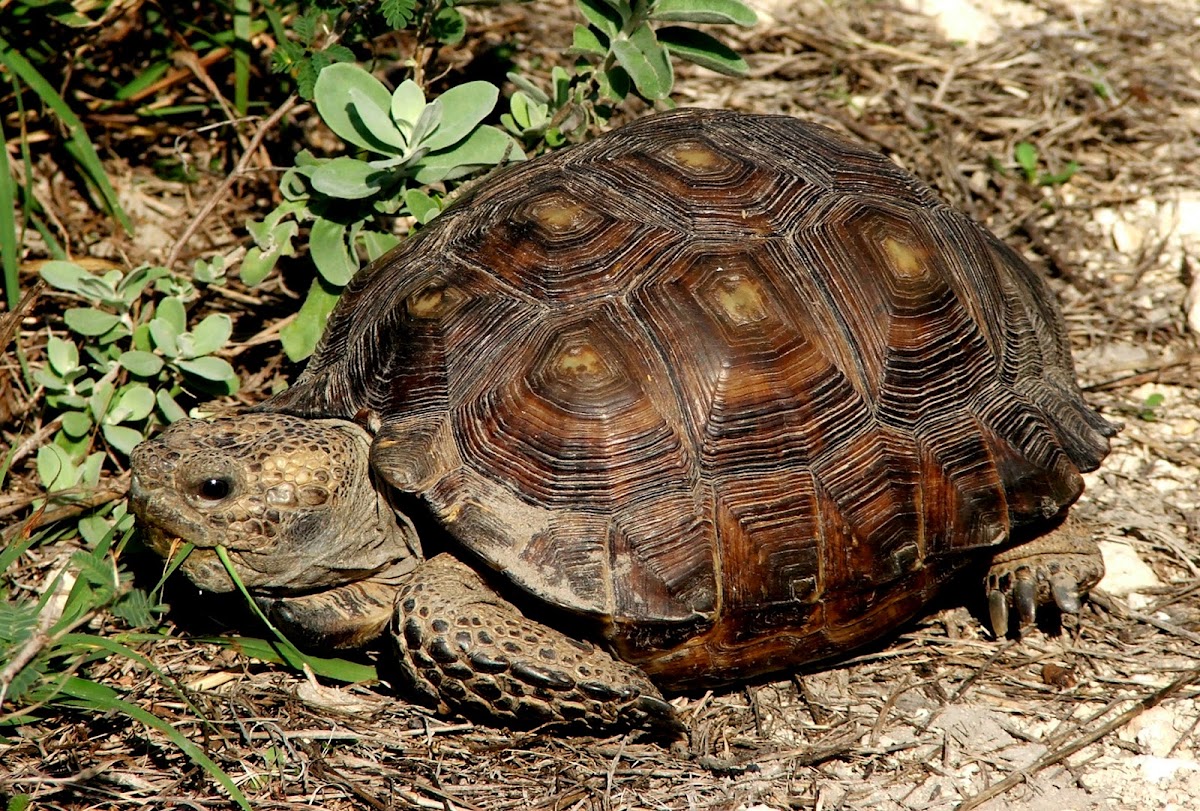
<point x="1057" y="568"/>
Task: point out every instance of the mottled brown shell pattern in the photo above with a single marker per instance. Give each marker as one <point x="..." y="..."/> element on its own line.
<point x="737" y="388"/>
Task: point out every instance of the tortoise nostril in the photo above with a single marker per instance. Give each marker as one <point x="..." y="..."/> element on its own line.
<point x="214" y="489"/>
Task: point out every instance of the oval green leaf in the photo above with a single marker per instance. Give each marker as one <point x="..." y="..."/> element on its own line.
<point x="448" y="26"/>
<point x="421" y="205"/>
<point x="64" y="276"/>
<point x="76" y="424"/>
<point x="122" y="438"/>
<point x="167" y="405"/>
<point x="602" y="15"/>
<point x="377" y="122"/>
<point x="347" y="179"/>
<point x="721" y="12"/>
<point x="170" y="310"/>
<point x="331" y="255"/>
<point x="342" y="112"/>
<point x="585" y="41"/>
<point x="646" y="62"/>
<point x="211" y="334"/>
<point x="217" y="370"/>
<point x="100" y="399"/>
<point x="485" y="147"/>
<point x="700" y="48"/>
<point x="89" y="322"/>
<point x="63" y="355"/>
<point x="132" y="285"/>
<point x="133" y="404"/>
<point x="463" y="108"/>
<point x="55" y="468"/>
<point x="429" y="120"/>
<point x="407" y="103"/>
<point x="142" y="364"/>
<point x="377" y="243"/>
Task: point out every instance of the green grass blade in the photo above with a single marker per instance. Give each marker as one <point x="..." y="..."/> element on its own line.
<point x="341" y="670"/>
<point x="9" y="238"/>
<point x="95" y="697"/>
<point x="83" y="641"/>
<point x="14" y="550"/>
<point x="241" y="55"/>
<point x="80" y="146"/>
<point x="290" y="654"/>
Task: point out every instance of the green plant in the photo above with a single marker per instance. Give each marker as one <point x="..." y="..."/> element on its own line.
<point x="46" y="657"/>
<point x="407" y="139"/>
<point x="407" y="149"/>
<point x="1026" y="155"/>
<point x="1148" y="412"/>
<point x="57" y="69"/>
<point x="626" y="47"/>
<point x="21" y="74"/>
<point x="125" y="360"/>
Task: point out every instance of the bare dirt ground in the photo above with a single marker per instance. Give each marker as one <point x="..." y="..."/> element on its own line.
<point x="1102" y="715"/>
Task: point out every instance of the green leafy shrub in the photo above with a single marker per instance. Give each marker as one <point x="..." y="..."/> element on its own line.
<point x="125" y="360"/>
<point x="406" y="140"/>
<point x="406" y="150"/>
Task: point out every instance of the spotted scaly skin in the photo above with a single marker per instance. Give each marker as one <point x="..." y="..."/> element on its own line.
<point x="293" y="502"/>
<point x="463" y="647"/>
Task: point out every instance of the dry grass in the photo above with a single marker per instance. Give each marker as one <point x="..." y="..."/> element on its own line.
<point x="1101" y="715"/>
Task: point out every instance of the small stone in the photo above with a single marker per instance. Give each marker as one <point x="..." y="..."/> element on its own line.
<point x="1058" y="676"/>
<point x="1191" y="304"/>
<point x="1124" y="571"/>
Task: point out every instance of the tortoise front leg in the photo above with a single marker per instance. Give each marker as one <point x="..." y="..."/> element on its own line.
<point x="348" y="616"/>
<point x="465" y="648"/>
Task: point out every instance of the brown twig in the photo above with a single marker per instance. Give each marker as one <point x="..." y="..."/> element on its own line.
<point x="1064" y="752"/>
<point x="220" y="192"/>
<point x="11" y="320"/>
<point x="85" y="503"/>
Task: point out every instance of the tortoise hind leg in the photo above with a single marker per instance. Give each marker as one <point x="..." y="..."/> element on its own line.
<point x="464" y="647"/>
<point x="1058" y="567"/>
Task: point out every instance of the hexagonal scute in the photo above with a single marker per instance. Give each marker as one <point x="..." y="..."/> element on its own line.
<point x="754" y="351"/>
<point x="563" y="237"/>
<point x="578" y="411"/>
<point x="890" y="285"/>
<point x="703" y="177"/>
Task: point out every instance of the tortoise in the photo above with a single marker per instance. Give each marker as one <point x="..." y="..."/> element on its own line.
<point x="711" y="396"/>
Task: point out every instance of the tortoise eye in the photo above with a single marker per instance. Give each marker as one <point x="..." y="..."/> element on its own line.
<point x="214" y="489"/>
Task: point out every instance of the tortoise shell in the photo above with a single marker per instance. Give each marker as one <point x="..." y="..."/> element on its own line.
<point x="740" y="391"/>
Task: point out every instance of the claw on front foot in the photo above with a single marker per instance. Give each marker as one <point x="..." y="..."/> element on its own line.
<point x="1025" y="596"/>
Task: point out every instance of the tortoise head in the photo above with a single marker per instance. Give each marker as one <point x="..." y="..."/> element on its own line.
<point x="293" y="501"/>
